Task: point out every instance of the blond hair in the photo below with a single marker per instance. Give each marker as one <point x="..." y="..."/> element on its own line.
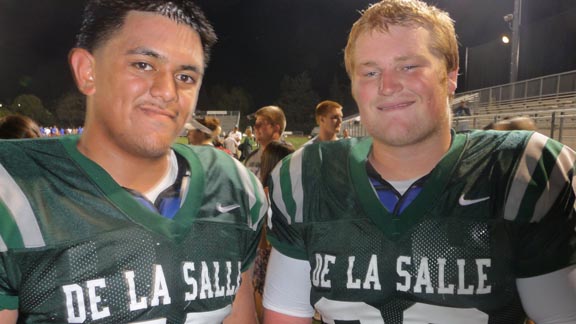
<point x="412" y="13"/>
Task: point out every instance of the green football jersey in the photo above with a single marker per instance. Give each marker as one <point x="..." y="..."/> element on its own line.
<point x="77" y="248"/>
<point x="499" y="206"/>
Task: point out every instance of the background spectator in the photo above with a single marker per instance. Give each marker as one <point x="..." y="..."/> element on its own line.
<point x="18" y="126"/>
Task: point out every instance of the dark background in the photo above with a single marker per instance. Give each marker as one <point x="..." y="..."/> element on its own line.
<point x="271" y="51"/>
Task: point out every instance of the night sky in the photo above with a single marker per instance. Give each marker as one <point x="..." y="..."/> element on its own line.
<point x="260" y="41"/>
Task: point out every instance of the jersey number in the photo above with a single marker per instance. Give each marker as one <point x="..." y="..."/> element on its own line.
<point x="216" y="316"/>
<point x="339" y="312"/>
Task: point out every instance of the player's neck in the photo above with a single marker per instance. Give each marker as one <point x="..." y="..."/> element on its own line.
<point x="128" y="170"/>
<point x="408" y="162"/>
<point x="275" y="137"/>
<point x="327" y="136"/>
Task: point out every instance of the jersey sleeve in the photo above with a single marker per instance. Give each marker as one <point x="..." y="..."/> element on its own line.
<point x="541" y="199"/>
<point x="257" y="208"/>
<point x="287" y="198"/>
<point x="8" y="297"/>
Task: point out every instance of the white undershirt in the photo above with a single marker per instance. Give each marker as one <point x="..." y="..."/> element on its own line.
<point x="402" y="186"/>
<point x="167" y="180"/>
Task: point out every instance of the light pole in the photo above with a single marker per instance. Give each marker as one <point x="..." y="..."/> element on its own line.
<point x="514" y="21"/>
<point x="466" y="68"/>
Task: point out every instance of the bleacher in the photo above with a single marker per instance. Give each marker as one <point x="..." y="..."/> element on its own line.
<point x="228" y="119"/>
<point x="549" y="100"/>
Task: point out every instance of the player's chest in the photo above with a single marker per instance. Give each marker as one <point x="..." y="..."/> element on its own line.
<point x="448" y="257"/>
<point x="130" y="273"/>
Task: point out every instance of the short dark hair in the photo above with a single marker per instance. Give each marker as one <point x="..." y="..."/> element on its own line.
<point x="102" y="18"/>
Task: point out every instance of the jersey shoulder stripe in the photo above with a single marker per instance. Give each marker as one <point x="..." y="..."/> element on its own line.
<point x="280" y="189"/>
<point x="19" y="226"/>
<point x="290" y="182"/>
<point x="256" y="196"/>
<point x="540" y="176"/>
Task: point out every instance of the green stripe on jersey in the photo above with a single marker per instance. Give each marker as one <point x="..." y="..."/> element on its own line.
<point x="532" y="181"/>
<point x="9" y="233"/>
<point x="17" y="209"/>
<point x="561" y="159"/>
<point x="290" y="183"/>
<point x="523" y="176"/>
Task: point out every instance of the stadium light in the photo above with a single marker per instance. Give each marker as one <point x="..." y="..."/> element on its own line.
<point x="514" y="22"/>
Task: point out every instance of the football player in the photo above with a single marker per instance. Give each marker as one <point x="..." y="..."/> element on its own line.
<point x="416" y="223"/>
<point x="119" y="225"/>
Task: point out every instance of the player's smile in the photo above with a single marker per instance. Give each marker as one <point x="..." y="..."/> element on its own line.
<point x="158" y="112"/>
<point x="395" y="105"/>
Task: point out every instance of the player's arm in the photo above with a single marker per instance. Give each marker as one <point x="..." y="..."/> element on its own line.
<point x="243" y="307"/>
<point x="8" y="316"/>
<point x="272" y="317"/>
<point x="550" y="298"/>
<point x="287" y="291"/>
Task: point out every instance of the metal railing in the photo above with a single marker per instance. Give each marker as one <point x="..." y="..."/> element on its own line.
<point x="546" y="87"/>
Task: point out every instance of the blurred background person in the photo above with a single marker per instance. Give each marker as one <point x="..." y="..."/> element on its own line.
<point x="274" y="152"/>
<point x="329" y="119"/>
<point x="18" y="126"/>
<point x="202" y="131"/>
<point x="345" y="133"/>
<point x="514" y="123"/>
<point x="247" y="145"/>
<point x="269" y="125"/>
<point x="236" y="134"/>
<point x="205" y="131"/>
<point x="231" y="145"/>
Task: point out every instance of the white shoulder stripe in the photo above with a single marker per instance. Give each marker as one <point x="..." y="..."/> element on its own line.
<point x="3" y="247"/>
<point x="18" y="204"/>
<point x="559" y="175"/>
<point x="277" y="194"/>
<point x="255" y="192"/>
<point x="523" y="175"/>
<point x="296" y="180"/>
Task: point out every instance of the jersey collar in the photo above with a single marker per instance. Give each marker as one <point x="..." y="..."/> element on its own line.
<point x="122" y="200"/>
<point x="423" y="204"/>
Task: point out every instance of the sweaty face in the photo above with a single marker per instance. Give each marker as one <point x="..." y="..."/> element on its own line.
<point x="400" y="86"/>
<point x="331" y="121"/>
<point x="147" y="78"/>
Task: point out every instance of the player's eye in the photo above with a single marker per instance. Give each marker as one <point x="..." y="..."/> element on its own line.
<point x="143" y="66"/>
<point x="409" y="67"/>
<point x="185" y="78"/>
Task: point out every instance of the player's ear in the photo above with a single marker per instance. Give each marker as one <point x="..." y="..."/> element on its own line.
<point x="277" y="128"/>
<point x="82" y="64"/>
<point x="452" y="81"/>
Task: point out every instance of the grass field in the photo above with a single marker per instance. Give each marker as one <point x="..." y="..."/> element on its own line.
<point x="297" y="141"/>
